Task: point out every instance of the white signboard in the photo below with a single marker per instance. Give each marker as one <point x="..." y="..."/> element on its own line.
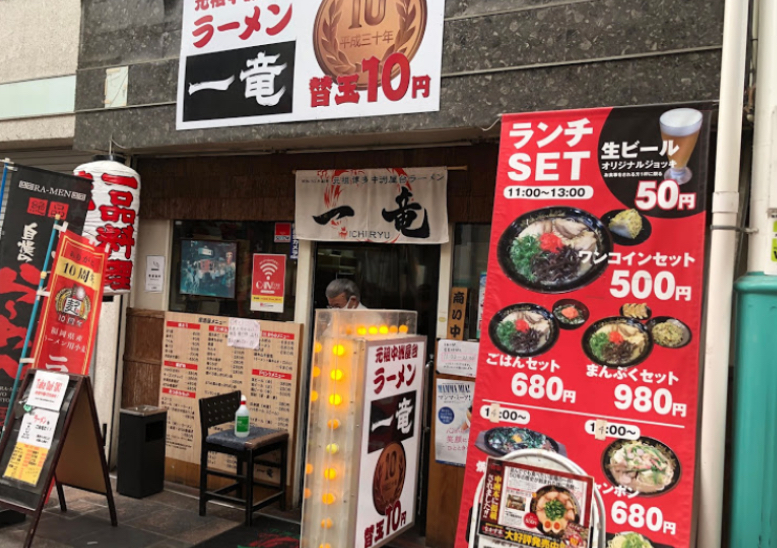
<point x="453" y="412"/>
<point x="244" y="333"/>
<point x="48" y="390"/>
<point x="393" y="413"/>
<point x="391" y="206"/>
<point x="247" y="62"/>
<point x="155" y="273"/>
<point x="38" y="428"/>
<point x="457" y="358"/>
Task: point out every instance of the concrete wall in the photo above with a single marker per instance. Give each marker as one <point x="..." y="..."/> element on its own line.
<point x="154" y="238"/>
<point x="38" y="41"/>
<point x="499" y="56"/>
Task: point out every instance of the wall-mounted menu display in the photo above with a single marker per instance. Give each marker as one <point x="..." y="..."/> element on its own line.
<point x="199" y="362"/>
<point x="592" y="313"/>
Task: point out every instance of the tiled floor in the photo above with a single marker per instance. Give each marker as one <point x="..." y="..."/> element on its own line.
<point x="167" y="520"/>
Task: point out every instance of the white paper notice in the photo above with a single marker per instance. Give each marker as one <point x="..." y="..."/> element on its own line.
<point x="38" y="428"/>
<point x="155" y="273"/>
<point x="48" y="390"/>
<point x="244" y="333"/>
<point x="457" y="358"/>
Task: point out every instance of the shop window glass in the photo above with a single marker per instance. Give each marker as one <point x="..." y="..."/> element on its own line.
<point x="206" y="288"/>
<point x="470" y="260"/>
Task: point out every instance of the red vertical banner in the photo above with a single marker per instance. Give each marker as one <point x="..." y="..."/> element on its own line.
<point x="71" y="313"/>
<point x="268" y="283"/>
<point x="592" y="312"/>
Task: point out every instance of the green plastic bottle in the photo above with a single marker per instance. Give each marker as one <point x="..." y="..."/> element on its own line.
<point x="242" y="423"/>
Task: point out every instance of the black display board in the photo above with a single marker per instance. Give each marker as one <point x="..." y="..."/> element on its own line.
<point x="75" y="458"/>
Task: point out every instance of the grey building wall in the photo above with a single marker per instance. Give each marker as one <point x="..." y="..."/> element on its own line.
<point x="499" y="56"/>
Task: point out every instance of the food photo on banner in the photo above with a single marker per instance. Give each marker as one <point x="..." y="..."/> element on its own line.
<point x="241" y="64"/>
<point x="34" y="198"/>
<point x="67" y="327"/>
<point x="592" y="312"/>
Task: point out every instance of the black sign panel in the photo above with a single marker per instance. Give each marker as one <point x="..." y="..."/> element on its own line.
<point x="255" y="81"/>
<point x="35" y="197"/>
<point x="392" y="419"/>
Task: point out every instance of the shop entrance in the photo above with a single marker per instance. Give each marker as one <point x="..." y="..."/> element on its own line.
<point x="397" y="277"/>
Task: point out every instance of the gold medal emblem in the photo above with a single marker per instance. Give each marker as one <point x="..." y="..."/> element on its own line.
<point x="347" y="32"/>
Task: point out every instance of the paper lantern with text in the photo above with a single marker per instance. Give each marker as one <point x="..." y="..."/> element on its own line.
<point x="112" y="219"/>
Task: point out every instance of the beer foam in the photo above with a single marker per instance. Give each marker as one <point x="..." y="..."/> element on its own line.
<point x="681" y="122"/>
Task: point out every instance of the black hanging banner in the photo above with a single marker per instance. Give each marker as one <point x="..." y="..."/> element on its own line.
<point x="35" y="198"/>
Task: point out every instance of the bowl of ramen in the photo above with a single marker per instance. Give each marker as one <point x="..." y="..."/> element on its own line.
<point x="669" y="332"/>
<point x="630" y="539"/>
<point x="617" y="342"/>
<point x="552" y="250"/>
<point x="645" y="466"/>
<point x="506" y="439"/>
<point x="570" y="314"/>
<point x="523" y="329"/>
<point x="555" y="508"/>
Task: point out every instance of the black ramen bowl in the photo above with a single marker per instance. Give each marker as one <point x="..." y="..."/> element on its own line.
<point x="662" y="448"/>
<point x="563" y="322"/>
<point x="493" y="326"/>
<point x="662" y="319"/>
<point x="617" y="320"/>
<point x="538" y="495"/>
<point x="497" y="440"/>
<point x="641" y="237"/>
<point x="603" y="246"/>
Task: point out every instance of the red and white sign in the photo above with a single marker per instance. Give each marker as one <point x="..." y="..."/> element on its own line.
<point x="268" y="283"/>
<point x="112" y="219"/>
<point x="71" y="313"/>
<point x="592" y="314"/>
<point x="282" y="233"/>
<point x="48" y="390"/>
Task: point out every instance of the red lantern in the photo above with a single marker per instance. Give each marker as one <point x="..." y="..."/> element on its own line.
<point x="112" y="219"/>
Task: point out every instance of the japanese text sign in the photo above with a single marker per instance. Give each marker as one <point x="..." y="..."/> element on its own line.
<point x="592" y="311"/>
<point x="113" y="218"/>
<point x="457" y="313"/>
<point x="393" y="412"/>
<point x="71" y="313"/>
<point x="453" y="414"/>
<point x="48" y="390"/>
<point x="392" y="206"/>
<point x="35" y="197"/>
<point x="457" y="357"/>
<point x="268" y="283"/>
<point x="244" y="333"/>
<point x="245" y="62"/>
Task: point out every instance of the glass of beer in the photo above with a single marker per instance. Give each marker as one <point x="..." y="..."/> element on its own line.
<point x="680" y="129"/>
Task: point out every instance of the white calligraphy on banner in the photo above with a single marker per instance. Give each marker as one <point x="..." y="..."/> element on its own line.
<point x="391" y="206"/>
<point x="248" y="63"/>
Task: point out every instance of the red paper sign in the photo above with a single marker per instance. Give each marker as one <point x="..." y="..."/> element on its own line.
<point x="282" y="233"/>
<point x="592" y="314"/>
<point x="268" y="284"/>
<point x="71" y="313"/>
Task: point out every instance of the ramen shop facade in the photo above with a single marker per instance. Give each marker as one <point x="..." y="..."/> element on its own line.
<point x="221" y="185"/>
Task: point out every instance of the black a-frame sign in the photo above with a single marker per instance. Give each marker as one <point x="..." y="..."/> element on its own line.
<point x="75" y="457"/>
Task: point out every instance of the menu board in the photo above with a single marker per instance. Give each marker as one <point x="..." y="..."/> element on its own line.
<point x="199" y="363"/>
<point x="592" y="313"/>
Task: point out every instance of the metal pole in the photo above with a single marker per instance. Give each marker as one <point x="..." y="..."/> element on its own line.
<point x="33" y="317"/>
